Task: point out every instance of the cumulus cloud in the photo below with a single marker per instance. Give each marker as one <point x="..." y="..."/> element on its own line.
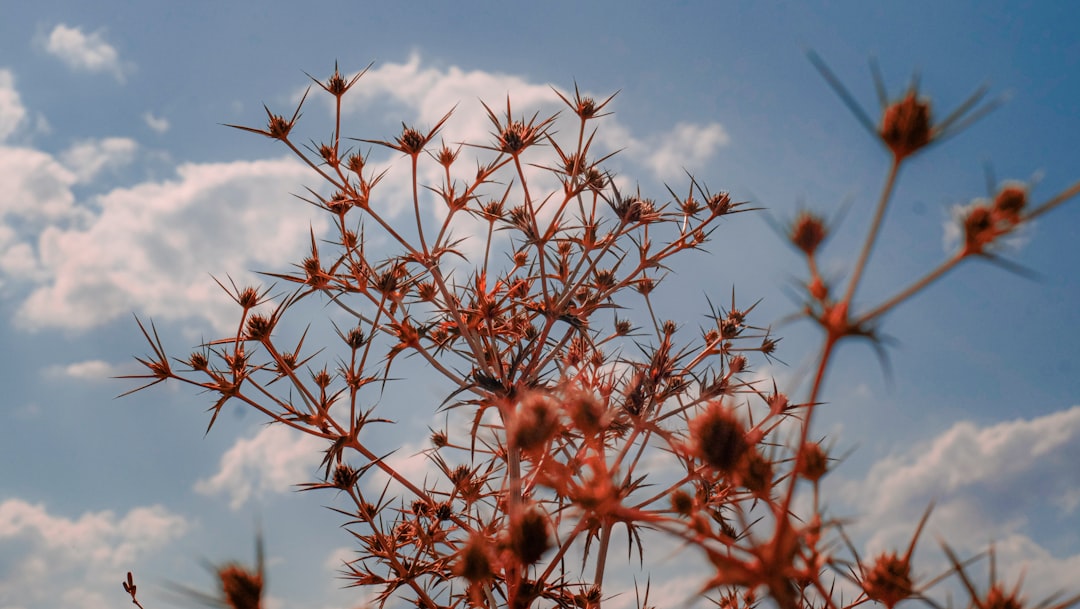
<point x="42" y="549"/>
<point x="84" y="52"/>
<point x="87" y="158"/>
<point x="271" y="461"/>
<point x="151" y="245"/>
<point x="12" y="112"/>
<point x="985" y="482"/>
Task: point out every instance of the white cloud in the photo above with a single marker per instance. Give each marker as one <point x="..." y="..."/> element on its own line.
<point x="12" y="112"/>
<point x="159" y="124"/>
<point x="88" y="158"/>
<point x="89" y="554"/>
<point x="89" y="370"/>
<point x="84" y="52"/>
<point x="688" y="147"/>
<point x="272" y="461"/>
<point x="985" y="482"/>
<point x="150" y="246"/>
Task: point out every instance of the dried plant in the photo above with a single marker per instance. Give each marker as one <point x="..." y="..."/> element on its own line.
<point x="564" y="401"/>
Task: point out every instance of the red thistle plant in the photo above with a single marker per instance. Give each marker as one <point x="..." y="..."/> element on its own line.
<point x="562" y="417"/>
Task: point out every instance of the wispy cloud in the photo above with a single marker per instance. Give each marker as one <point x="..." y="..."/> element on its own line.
<point x="157" y="123"/>
<point x="89" y="370"/>
<point x="85" y="52"/>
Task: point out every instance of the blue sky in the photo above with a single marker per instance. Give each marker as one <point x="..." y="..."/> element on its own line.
<point x="119" y="183"/>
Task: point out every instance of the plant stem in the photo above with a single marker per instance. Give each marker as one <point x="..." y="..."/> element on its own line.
<point x="875" y="227"/>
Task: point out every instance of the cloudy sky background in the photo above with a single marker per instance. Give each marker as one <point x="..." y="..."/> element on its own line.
<point x="121" y="193"/>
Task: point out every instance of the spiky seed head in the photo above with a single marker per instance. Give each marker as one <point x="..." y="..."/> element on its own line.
<point x="1010" y="203"/>
<point x="259" y="327"/>
<point x="719" y="203"/>
<point x="355" y="163"/>
<point x="444" y="511"/>
<point x="248" y="297"/>
<point x="355" y="338"/>
<point x="534" y="422"/>
<point x="587" y="412"/>
<point x="439" y="439"/>
<point x="328" y="154"/>
<point x="623" y="327"/>
<point x="756" y="473"/>
<point x="411" y="141"/>
<point x="197" y="360"/>
<point x="447" y="156"/>
<point x="814" y="463"/>
<point x="241" y="589"/>
<point x="529" y="535"/>
<point x="474" y="561"/>
<point x="998" y="598"/>
<point x="461" y="475"/>
<point x="682" y="502"/>
<point x="978" y="227"/>
<point x="345" y="477"/>
<point x="322" y="378"/>
<point x="905" y="125"/>
<point x="717" y="437"/>
<point x="807" y="232"/>
<point x="645" y="285"/>
<point x="278" y="127"/>
<point x="737" y="364"/>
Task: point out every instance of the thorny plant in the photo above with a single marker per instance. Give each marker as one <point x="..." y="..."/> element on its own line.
<point x="566" y="401"/>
